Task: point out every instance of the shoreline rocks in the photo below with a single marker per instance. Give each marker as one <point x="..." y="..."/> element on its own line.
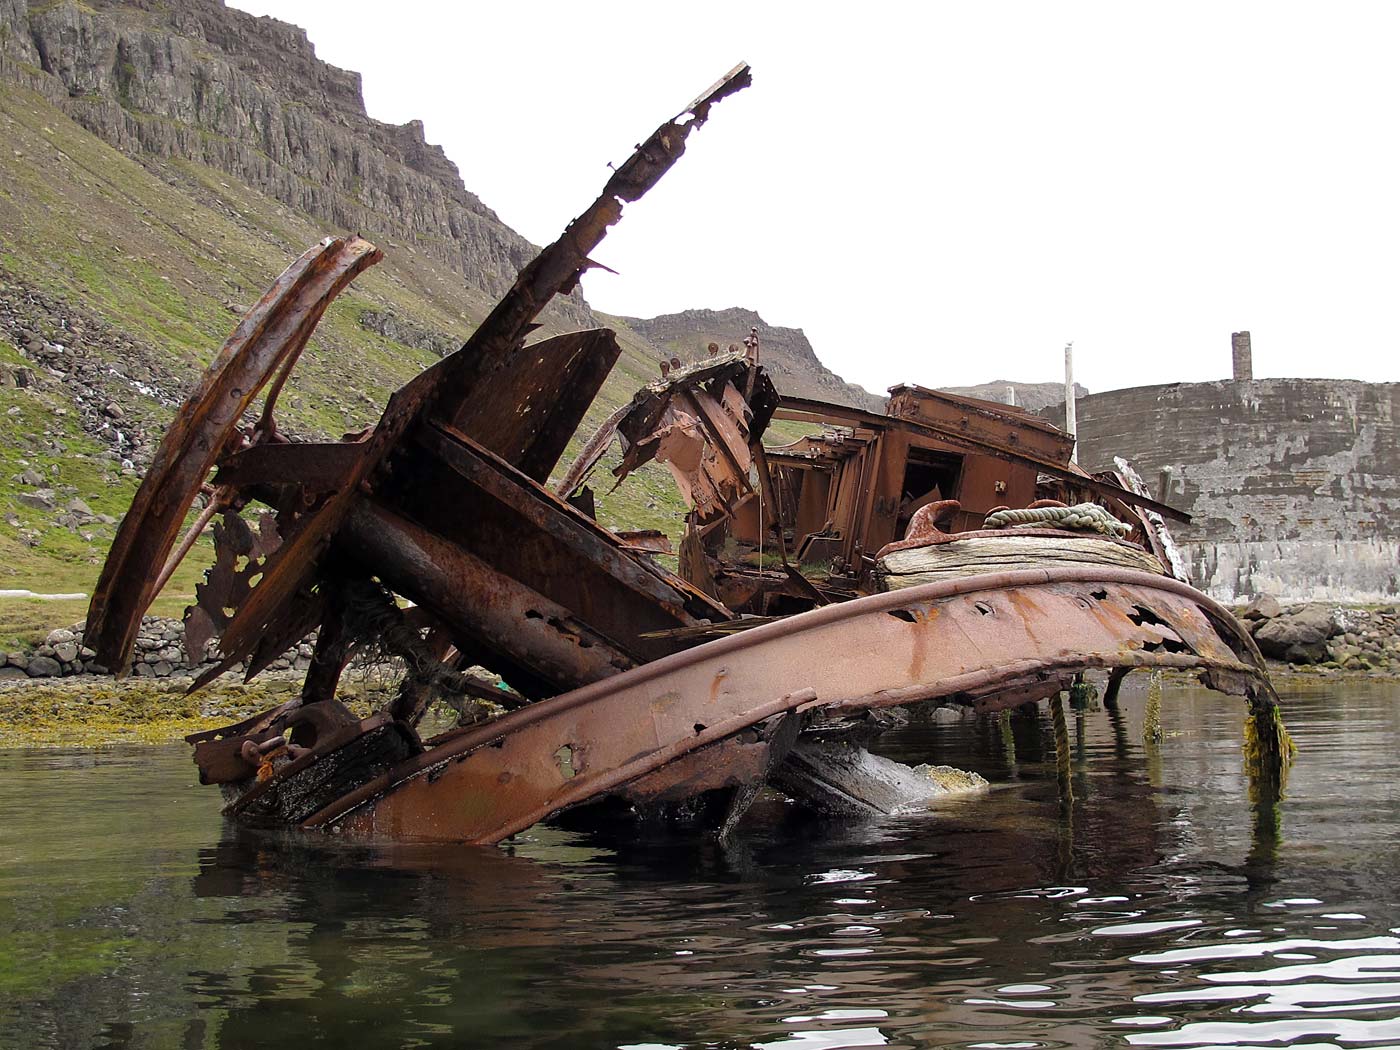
<point x="160" y="653"/>
<point x="1326" y="635"/>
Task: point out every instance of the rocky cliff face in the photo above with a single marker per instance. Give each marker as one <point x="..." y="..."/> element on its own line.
<point x="248" y="96"/>
<point x="1294" y="483"/>
<point x="785" y="352"/>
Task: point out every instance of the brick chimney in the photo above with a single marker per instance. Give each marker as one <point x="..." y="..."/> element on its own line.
<point x="1243" y="356"/>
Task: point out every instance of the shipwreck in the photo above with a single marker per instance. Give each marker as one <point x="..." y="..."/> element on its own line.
<point x="945" y="552"/>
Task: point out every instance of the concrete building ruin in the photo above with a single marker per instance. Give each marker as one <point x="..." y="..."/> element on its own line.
<point x="1293" y="484"/>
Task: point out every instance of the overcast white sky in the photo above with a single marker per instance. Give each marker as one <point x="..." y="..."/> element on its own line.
<point x="943" y="193"/>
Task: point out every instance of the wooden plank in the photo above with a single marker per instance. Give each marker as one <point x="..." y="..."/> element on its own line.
<point x="977" y="555"/>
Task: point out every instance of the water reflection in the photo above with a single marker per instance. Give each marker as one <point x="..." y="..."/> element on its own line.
<point x="1167" y="913"/>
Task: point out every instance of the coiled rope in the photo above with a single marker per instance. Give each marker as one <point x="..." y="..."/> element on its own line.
<point x="1089" y="517"/>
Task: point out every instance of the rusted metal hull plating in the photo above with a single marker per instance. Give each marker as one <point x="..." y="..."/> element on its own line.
<point x="945" y="640"/>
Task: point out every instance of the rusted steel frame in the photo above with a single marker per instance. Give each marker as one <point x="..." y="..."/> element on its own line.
<point x="449" y="386"/>
<point x="273" y="332"/>
<point x="807" y="410"/>
<point x="557" y="269"/>
<point x="570" y="526"/>
<point x="311" y="466"/>
<point x="765" y="482"/>
<point x="935" y="639"/>
<point x="468" y="594"/>
<point x="863" y="503"/>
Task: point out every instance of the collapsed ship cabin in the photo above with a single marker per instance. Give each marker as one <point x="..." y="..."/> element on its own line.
<point x="837" y="496"/>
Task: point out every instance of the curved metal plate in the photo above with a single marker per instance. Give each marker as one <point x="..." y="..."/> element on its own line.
<point x="271" y="334"/>
<point x="936" y="640"/>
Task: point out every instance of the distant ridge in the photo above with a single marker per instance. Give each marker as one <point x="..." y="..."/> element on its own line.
<point x="1030" y="396"/>
<point x="785" y="352"/>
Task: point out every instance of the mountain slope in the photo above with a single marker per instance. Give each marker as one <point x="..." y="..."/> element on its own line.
<point x="201" y="82"/>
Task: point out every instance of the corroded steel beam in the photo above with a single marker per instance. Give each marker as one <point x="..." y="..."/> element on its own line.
<point x="311" y="466"/>
<point x="585" y="543"/>
<point x="557" y="269"/>
<point x="464" y="591"/>
<point x="270" y="337"/>
<point x="934" y="641"/>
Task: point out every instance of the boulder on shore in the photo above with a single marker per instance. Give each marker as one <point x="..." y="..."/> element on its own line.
<point x="1298" y="637"/>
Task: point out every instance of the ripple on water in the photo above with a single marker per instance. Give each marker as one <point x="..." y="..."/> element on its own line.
<point x="1165" y="914"/>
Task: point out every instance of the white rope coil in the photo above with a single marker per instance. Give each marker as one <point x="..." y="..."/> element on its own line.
<point x="1088" y="517"/>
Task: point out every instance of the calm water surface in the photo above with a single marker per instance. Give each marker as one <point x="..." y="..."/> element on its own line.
<point x="1169" y="912"/>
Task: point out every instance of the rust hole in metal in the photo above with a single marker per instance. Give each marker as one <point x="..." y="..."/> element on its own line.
<point x="1141" y="614"/>
<point x="904" y="614"/>
<point x="1099" y="594"/>
<point x="699" y="728"/>
<point x="564" y="758"/>
<point x="1167" y="645"/>
<point x="984" y="608"/>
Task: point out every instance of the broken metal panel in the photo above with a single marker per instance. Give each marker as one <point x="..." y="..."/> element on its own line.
<point x="239" y="556"/>
<point x="558" y="267"/>
<point x="743" y="760"/>
<point x="652" y="540"/>
<point x="694" y="419"/>
<point x="270" y="337"/>
<point x="538" y="400"/>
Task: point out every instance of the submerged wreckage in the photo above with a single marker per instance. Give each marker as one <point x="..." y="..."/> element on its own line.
<point x="946" y="552"/>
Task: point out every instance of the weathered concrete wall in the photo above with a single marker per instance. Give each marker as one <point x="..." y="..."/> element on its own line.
<point x="1294" y="483"/>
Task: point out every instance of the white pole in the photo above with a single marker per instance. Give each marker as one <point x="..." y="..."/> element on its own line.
<point x="1071" y="424"/>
